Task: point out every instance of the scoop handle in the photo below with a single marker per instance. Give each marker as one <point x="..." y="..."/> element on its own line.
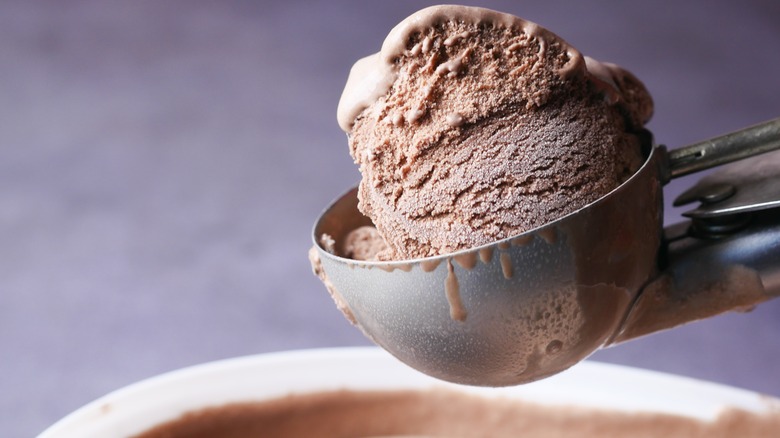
<point x="753" y="140"/>
<point x="700" y="278"/>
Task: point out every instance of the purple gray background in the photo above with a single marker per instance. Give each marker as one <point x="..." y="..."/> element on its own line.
<point x="162" y="163"/>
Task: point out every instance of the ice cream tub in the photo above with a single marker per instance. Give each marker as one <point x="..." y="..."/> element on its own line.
<point x="367" y="392"/>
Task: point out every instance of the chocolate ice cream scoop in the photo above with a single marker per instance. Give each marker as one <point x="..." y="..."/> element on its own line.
<point x="520" y="200"/>
<point x="471" y="126"/>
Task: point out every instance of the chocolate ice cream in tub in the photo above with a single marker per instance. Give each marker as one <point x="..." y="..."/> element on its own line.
<point x="507" y="266"/>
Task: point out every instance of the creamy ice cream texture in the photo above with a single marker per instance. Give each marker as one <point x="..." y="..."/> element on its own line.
<point x="440" y="413"/>
<point x="471" y="125"/>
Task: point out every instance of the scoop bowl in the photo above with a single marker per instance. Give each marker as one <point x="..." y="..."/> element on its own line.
<point x="510" y="312"/>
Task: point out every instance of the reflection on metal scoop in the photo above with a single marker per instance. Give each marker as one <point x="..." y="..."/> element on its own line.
<point x="532" y="305"/>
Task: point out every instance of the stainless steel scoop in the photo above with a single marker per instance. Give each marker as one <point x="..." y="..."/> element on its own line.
<point x="537" y="303"/>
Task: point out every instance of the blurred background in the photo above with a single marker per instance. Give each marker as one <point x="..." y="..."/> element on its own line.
<point x="162" y="163"/>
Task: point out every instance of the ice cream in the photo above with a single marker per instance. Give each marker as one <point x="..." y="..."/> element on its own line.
<point x="444" y="413"/>
<point x="364" y="243"/>
<point x="471" y="125"/>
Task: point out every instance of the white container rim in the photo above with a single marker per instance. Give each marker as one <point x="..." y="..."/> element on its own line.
<point x="143" y="405"/>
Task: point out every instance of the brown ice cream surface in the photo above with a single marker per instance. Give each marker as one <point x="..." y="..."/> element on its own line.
<point x="364" y="243"/>
<point x="443" y="413"/>
<point x="470" y="126"/>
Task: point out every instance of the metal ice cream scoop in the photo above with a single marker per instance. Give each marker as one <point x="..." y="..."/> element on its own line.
<point x="537" y="303"/>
